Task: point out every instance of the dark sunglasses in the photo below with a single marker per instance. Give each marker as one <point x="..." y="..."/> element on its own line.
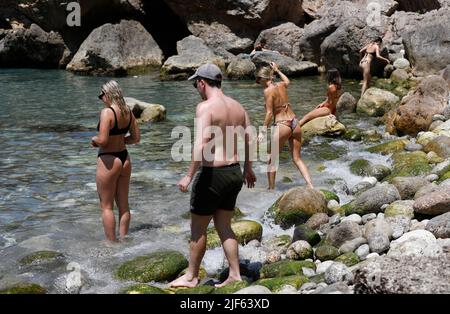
<point x="196" y="83"/>
<point x="101" y="96"/>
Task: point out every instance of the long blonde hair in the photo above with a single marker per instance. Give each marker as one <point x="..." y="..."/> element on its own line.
<point x="114" y="94"/>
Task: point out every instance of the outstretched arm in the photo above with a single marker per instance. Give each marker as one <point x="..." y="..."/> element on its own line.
<point x="283" y="77"/>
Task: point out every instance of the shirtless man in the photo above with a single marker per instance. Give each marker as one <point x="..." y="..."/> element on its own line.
<point x="220" y="179"/>
<point x="286" y="123"/>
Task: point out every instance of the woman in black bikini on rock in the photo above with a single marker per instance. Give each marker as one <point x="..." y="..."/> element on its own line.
<point x="371" y="52"/>
<point x="278" y="108"/>
<point x="113" y="162"/>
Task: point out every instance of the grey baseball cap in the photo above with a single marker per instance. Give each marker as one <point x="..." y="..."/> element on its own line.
<point x="208" y="71"/>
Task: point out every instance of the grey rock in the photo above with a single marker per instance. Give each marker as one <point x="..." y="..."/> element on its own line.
<point x="434" y="203"/>
<point x="32" y="47"/>
<point x="341" y="187"/>
<point x="299" y="250"/>
<point x="435" y="124"/>
<point x="335" y="219"/>
<point x="379" y="172"/>
<point x="412" y="147"/>
<point x="316" y="220"/>
<point x="353" y="217"/>
<point x="400" y="208"/>
<point x="283" y="38"/>
<point x="343" y="232"/>
<point x="441" y="168"/>
<point x="427" y="189"/>
<point x="336" y="288"/>
<point x="117" y="49"/>
<point x="322" y="267"/>
<point x="406" y="274"/>
<point x="408" y="186"/>
<point x="417" y="242"/>
<point x="444" y="244"/>
<point x="368" y="217"/>
<point x="432" y="177"/>
<point x="363" y="251"/>
<point x="287" y="289"/>
<point x="256" y="289"/>
<point x="241" y="67"/>
<point x="371" y="200"/>
<point x="372" y="255"/>
<point x="346" y="103"/>
<point x="338" y="272"/>
<point x="361" y="187"/>
<point x="439" y="117"/>
<point x="399" y="225"/>
<point x="439" y="226"/>
<point x="352" y="245"/>
<point x="308" y="272"/>
<point x="287" y="65"/>
<point x="308" y="286"/>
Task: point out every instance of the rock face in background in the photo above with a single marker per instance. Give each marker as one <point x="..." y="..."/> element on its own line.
<point x="117" y="49"/>
<point x="287" y="65"/>
<point x="145" y="112"/>
<point x="415" y="112"/>
<point x="239" y="13"/>
<point x="284" y="39"/>
<point x="32" y="47"/>
<point x="428" y="56"/>
<point x="404" y="275"/>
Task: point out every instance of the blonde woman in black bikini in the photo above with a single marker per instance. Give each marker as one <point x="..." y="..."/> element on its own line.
<point x="371" y="52"/>
<point x="278" y="108"/>
<point x="113" y="162"/>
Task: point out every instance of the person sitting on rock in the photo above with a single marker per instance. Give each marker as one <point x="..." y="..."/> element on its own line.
<point x="371" y="52"/>
<point x="259" y="47"/>
<point x="329" y="106"/>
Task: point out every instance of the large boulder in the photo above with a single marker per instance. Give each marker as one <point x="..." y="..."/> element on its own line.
<point x="406" y="274"/>
<point x="289" y="66"/>
<point x="389" y="147"/>
<point x="32" y="47"/>
<point x="373" y="199"/>
<point x="409" y="164"/>
<point x="241" y="67"/>
<point x="376" y="102"/>
<point x="439" y="226"/>
<point x="117" y="49"/>
<point x="283" y="38"/>
<point x="440" y="145"/>
<point x="434" y="203"/>
<point x="408" y="186"/>
<point x="245" y="231"/>
<point x="323" y="126"/>
<point x="429" y="55"/>
<point x="400" y="208"/>
<point x="417" y="243"/>
<point x="415" y="112"/>
<point x="297" y="205"/>
<point x="220" y="38"/>
<point x="157" y="266"/>
<point x="192" y="53"/>
<point x="285" y="268"/>
<point x="145" y="112"/>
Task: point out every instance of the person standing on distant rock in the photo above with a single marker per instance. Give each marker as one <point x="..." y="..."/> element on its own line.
<point x="333" y="94"/>
<point x="113" y="162"/>
<point x="259" y="47"/>
<point x="286" y="123"/>
<point x="220" y="179"/>
<point x="371" y="52"/>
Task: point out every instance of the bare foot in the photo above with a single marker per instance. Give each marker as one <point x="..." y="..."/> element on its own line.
<point x="184" y="281"/>
<point x="227" y="282"/>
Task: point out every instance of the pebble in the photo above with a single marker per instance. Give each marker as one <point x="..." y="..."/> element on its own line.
<point x="308" y="286"/>
<point x="412" y="147"/>
<point x="438" y="117"/>
<point x="431" y="177"/>
<point x="363" y="251"/>
<point x="353" y="217"/>
<point x="321" y="285"/>
<point x="287" y="289"/>
<point x="335" y="219"/>
<point x="322" y="267"/>
<point x="308" y="272"/>
<point x="368" y="217"/>
<point x="372" y="180"/>
<point x="338" y="272"/>
<point x="372" y="255"/>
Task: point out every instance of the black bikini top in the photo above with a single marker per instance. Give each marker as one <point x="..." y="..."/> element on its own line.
<point x="115" y="130"/>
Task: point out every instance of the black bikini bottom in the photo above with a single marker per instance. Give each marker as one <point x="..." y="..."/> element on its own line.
<point x="123" y="155"/>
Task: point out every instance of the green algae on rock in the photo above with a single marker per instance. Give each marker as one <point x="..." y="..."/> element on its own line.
<point x="232" y="287"/>
<point x="40" y="257"/>
<point x="245" y="231"/>
<point x="326" y="252"/>
<point x="142" y="289"/>
<point x="277" y="283"/>
<point x="197" y="290"/>
<point x="360" y="167"/>
<point x="285" y="268"/>
<point x="389" y="147"/>
<point x="349" y="259"/>
<point x="24" y="288"/>
<point x="157" y="266"/>
<point x="409" y="164"/>
<point x="330" y="195"/>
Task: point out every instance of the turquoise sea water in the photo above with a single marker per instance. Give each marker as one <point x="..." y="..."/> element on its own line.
<point x="48" y="198"/>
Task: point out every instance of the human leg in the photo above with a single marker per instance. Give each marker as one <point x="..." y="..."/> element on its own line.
<point x="295" y="145"/>
<point x="123" y="187"/>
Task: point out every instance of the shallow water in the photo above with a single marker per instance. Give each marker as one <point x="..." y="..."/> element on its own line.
<point x="48" y="198"/>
